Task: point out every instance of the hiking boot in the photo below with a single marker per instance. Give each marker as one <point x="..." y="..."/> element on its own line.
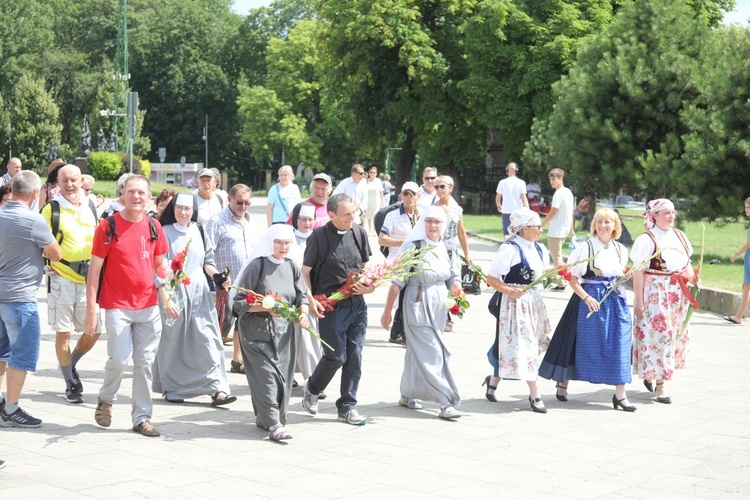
<point x="352" y="417"/>
<point x="77" y="379"/>
<point x="103" y="413"/>
<point x="310" y="401"/>
<point x="146" y="429"/>
<point x="73" y="395"/>
<point x="19" y="418"/>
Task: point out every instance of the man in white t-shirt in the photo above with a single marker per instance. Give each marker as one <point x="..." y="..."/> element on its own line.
<point x="511" y="195"/>
<point x="209" y="202"/>
<point x="560" y="220"/>
<point x="427" y="192"/>
<point x="356" y="187"/>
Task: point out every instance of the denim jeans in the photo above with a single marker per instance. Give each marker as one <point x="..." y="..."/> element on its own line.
<point x="20" y="335"/>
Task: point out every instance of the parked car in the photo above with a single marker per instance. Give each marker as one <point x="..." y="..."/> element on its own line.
<point x="627" y="201"/>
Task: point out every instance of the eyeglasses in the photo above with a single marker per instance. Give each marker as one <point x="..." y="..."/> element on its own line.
<point x="407" y="193"/>
<point x="359" y="173"/>
<point x="182" y="208"/>
<point x="443" y="186"/>
<point x="243" y="203"/>
<point x="282" y="243"/>
<point x="429" y="178"/>
<point x="534" y="227"/>
<point x="305" y="220"/>
<point x="434" y="222"/>
<point x="373" y="173"/>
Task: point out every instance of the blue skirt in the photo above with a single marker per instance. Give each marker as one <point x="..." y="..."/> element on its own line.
<point x="595" y="349"/>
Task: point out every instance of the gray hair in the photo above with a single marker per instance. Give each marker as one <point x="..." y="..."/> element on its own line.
<point x="337" y="199"/>
<point x="88" y="179"/>
<point x="123" y="180"/>
<point x="287" y="168"/>
<point x="26" y="183"/>
<point x="217" y="175"/>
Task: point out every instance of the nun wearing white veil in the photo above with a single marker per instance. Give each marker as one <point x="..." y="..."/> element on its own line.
<point x="427" y="374"/>
<point x="267" y="340"/>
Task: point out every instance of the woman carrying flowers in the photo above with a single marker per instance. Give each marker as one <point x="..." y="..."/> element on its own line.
<point x="266" y="338"/>
<point x="523" y="323"/>
<point x="595" y="347"/>
<point x="190" y="358"/>
<point x="660" y="344"/>
<point x="426" y="372"/>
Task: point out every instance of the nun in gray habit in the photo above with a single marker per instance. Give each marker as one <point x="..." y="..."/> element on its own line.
<point x="427" y="373"/>
<point x="190" y="358"/>
<point x="267" y="340"/>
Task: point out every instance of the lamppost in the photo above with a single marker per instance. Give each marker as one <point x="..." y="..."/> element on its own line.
<point x="205" y="138"/>
<point x="132" y="110"/>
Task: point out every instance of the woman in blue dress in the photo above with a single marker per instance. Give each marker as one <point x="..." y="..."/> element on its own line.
<point x="737" y="318"/>
<point x="594" y="348"/>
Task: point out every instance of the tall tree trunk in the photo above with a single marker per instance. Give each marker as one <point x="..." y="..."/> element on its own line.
<point x="405" y="159"/>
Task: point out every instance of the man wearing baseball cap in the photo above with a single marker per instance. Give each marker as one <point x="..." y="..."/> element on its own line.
<point x="209" y="203"/>
<point x="320" y="190"/>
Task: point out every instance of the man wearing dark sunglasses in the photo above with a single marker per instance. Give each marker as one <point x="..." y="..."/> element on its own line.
<point x="427" y="192"/>
<point x="356" y="187"/>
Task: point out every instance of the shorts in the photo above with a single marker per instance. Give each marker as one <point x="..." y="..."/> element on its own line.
<point x="20" y="335"/>
<point x="747" y="267"/>
<point x="66" y="305"/>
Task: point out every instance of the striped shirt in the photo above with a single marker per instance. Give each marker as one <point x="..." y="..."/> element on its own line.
<point x="233" y="240"/>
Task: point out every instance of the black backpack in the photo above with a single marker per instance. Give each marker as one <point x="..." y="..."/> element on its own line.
<point x="378" y="223"/>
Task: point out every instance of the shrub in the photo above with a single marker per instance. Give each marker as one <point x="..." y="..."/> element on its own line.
<point x="146" y="168"/>
<point x="104" y="165"/>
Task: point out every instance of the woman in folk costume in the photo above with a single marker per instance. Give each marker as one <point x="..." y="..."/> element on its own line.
<point x="660" y="343"/>
<point x="309" y="349"/>
<point x="266" y="339"/>
<point x="523" y="324"/>
<point x="190" y="359"/>
<point x="427" y="374"/>
<point x="595" y="348"/>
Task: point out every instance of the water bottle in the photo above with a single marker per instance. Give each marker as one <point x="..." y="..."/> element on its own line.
<point x="180" y="306"/>
<point x="571" y="246"/>
<point x="282" y="325"/>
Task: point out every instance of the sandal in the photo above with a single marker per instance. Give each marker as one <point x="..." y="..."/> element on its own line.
<point x="279" y="433"/>
<point x="663" y="399"/>
<point x="237" y="367"/>
<point x="227" y="399"/>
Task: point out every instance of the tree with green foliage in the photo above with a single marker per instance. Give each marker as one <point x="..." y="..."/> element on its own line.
<point x="35" y="119"/>
<point x="716" y="177"/>
<point x="616" y="122"/>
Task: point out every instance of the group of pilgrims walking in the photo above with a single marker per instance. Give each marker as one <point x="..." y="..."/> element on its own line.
<point x="595" y="340"/>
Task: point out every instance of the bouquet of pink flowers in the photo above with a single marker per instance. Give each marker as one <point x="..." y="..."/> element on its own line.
<point x="276" y="305"/>
<point x="400" y="268"/>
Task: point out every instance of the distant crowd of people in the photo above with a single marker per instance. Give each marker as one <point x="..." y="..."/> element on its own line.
<point x="173" y="281"/>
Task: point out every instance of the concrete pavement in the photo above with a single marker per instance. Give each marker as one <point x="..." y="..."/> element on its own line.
<point x="699" y="446"/>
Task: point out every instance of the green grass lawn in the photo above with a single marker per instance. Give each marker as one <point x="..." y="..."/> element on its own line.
<point x="720" y="243"/>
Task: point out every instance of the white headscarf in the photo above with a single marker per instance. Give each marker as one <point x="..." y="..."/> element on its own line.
<point x="419" y="232"/>
<point x="654" y="207"/>
<point x="264" y="248"/>
<point x="305" y="210"/>
<point x="521" y="218"/>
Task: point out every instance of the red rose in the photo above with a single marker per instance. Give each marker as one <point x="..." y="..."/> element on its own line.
<point x="176" y="265"/>
<point x="455" y="310"/>
<point x="185" y="281"/>
<point x="250" y="299"/>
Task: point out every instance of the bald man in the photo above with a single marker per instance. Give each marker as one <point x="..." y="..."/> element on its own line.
<point x="74" y="230"/>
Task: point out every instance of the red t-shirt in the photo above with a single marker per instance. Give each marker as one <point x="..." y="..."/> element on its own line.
<point x="129" y="275"/>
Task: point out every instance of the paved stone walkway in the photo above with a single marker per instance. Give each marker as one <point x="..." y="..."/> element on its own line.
<point x="697" y="447"/>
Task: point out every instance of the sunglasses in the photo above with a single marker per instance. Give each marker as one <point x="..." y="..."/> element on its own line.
<point x="243" y="203"/>
<point x="429" y="178"/>
<point x="443" y="186"/>
<point x="359" y="173"/>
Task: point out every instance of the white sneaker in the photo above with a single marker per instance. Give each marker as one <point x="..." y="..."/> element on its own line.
<point x="414" y="404"/>
<point x="353" y="417"/>
<point x="449" y="413"/>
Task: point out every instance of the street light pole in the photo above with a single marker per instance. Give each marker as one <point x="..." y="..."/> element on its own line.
<point x="205" y="138"/>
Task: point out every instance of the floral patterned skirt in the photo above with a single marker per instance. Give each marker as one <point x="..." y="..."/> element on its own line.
<point x="658" y="346"/>
<point x="524" y="335"/>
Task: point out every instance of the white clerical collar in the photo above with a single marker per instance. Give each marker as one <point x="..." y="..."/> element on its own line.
<point x="180" y="228"/>
<point x="275" y="260"/>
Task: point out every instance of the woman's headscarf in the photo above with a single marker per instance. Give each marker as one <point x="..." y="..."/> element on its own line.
<point x="654" y="207"/>
<point x="419" y="232"/>
<point x="264" y="248"/>
<point x="521" y="218"/>
<point x="168" y="215"/>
